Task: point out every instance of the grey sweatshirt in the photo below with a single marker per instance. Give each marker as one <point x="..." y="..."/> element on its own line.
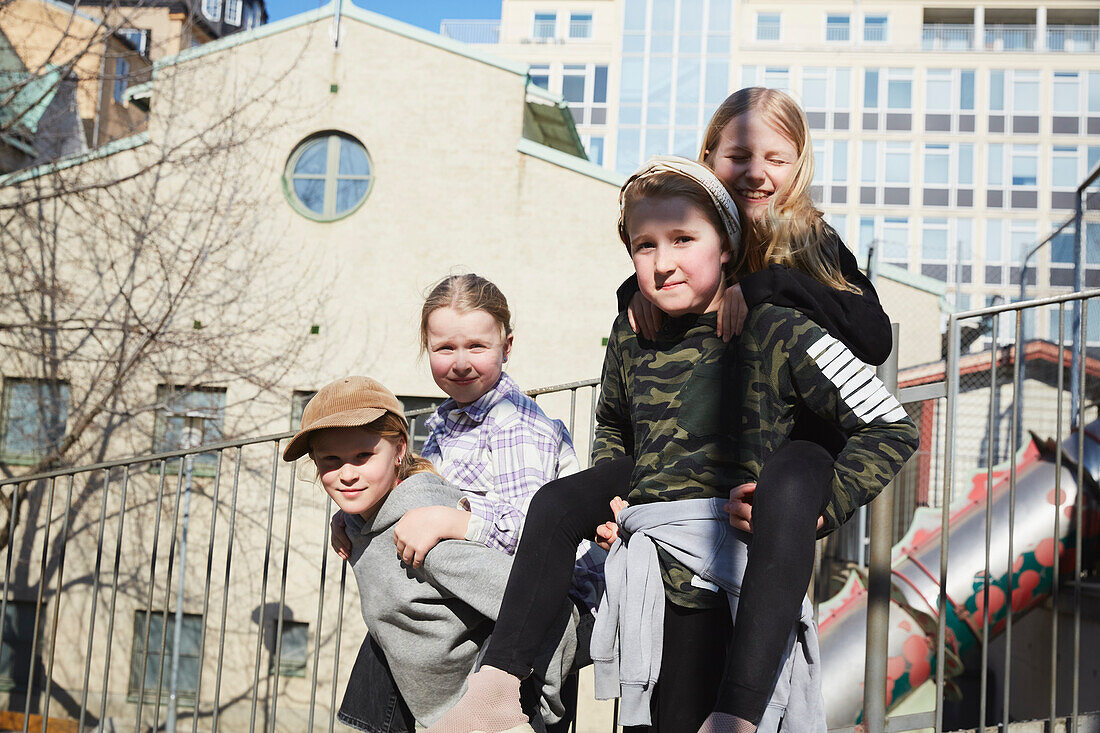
<point x="432" y="621"/>
<point x="697" y="533"/>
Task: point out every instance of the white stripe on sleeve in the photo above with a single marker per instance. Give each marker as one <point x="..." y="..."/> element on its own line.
<point x="860" y="390"/>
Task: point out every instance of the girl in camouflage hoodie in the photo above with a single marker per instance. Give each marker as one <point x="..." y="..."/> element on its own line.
<point x="683" y="415"/>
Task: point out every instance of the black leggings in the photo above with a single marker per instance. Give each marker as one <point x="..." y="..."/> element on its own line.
<point x="792" y="490"/>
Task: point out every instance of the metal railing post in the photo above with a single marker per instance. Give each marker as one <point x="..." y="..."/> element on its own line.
<point x="878" y="581"/>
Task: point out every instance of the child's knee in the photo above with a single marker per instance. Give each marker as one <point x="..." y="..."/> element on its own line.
<point x="793" y="481"/>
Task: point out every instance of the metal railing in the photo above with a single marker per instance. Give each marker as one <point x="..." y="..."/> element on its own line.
<point x="97" y="553"/>
<point x="580" y="29"/>
<point x="947" y="37"/>
<point x="1010" y="38"/>
<point x="97" y="569"/>
<point x="1073" y="38"/>
<point x="471" y="31"/>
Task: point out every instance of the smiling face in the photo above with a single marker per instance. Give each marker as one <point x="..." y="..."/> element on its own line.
<point x="678" y="255"/>
<point x="467" y="351"/>
<point x="357" y="467"/>
<point x="754" y="160"/>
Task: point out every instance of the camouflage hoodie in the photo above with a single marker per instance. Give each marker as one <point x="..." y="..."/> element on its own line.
<point x="701" y="416"/>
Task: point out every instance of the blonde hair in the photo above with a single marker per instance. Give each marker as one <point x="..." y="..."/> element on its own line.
<point x="392" y="428"/>
<point x="792" y="231"/>
<point x="667" y="185"/>
<point x="465" y="293"/>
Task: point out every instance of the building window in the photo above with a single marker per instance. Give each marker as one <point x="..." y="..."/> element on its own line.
<point x="545" y="26"/>
<point x="894" y="87"/>
<point x="298" y="402"/>
<point x="837" y="27"/>
<point x="136" y="37"/>
<point x="1025" y="165"/>
<point x="32" y="418"/>
<point x="580" y="25"/>
<point x="212" y="9"/>
<point x="294" y="649"/>
<point x="233" y="12"/>
<point x="152" y="674"/>
<point x="540" y="76"/>
<point x="189" y="417"/>
<point x="328" y="176"/>
<point x="874" y="28"/>
<point x="418" y="423"/>
<point x="827" y="97"/>
<point x="1067" y="92"/>
<point x="830" y="172"/>
<point x="15" y="647"/>
<point x="895" y="241"/>
<point x="122" y="78"/>
<point x="584" y="88"/>
<point x="772" y="77"/>
<point x="594" y="149"/>
<point x="768" y="26"/>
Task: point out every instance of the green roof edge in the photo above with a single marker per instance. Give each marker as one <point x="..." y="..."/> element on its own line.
<point x="913" y="280"/>
<point x="349" y="10"/>
<point x="115" y="146"/>
<point x="563" y="109"/>
<point x="571" y="162"/>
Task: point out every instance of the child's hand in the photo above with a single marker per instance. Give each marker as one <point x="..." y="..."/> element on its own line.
<point x="645" y="318"/>
<point x="338" y="538"/>
<point x="732" y="311"/>
<point x="617" y="505"/>
<point x="739" y="507"/>
<point x="422" y="528"/>
<point x="608" y="532"/>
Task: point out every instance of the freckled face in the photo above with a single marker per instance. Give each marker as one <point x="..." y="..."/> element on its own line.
<point x="357" y="468"/>
<point x="754" y="160"/>
<point x="678" y="255"/>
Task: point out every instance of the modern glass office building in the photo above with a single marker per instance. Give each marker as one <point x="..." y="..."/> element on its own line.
<point x="948" y="136"/>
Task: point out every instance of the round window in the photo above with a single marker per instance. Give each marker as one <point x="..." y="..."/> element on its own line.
<point x="328" y="176"/>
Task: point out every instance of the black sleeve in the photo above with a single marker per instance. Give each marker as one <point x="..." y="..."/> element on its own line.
<point x="626" y="291"/>
<point x="857" y="320"/>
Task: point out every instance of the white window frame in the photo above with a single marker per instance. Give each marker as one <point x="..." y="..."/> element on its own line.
<point x="212" y="9"/>
<point x="830" y="78"/>
<point x="953" y="152"/>
<point x="778" y="31"/>
<point x="233" y="12"/>
<point x="825" y="175"/>
<point x="1077" y="96"/>
<point x="576" y="21"/>
<point x="588" y="104"/>
<point x="885" y="28"/>
<point x="847" y="26"/>
<point x="1019" y="152"/>
<point x="1072" y="153"/>
<point x="538" y="31"/>
<point x="758" y="75"/>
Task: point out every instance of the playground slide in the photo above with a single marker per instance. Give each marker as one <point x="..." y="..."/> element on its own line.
<point x="916" y="573"/>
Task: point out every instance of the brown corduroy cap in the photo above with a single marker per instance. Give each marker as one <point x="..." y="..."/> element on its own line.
<point x="345" y="403"/>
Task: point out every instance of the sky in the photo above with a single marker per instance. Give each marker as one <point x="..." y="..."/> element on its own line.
<point x="424" y="13"/>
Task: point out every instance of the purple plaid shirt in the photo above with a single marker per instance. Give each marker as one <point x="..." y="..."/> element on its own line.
<point x="499" y="450"/>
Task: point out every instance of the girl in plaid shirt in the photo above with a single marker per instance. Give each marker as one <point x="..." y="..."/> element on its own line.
<point x="488" y="439"/>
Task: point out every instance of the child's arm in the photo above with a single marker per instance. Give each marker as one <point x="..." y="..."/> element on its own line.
<point x="614" y="436"/>
<point x="856" y="319"/>
<point x="525" y="458"/>
<point x="809" y="366"/>
<point x="421" y="529"/>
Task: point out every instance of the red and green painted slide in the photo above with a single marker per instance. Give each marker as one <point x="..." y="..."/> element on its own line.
<point x="1036" y="557"/>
